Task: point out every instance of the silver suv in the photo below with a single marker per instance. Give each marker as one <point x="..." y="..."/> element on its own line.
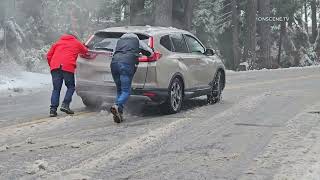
<point x="181" y="68"/>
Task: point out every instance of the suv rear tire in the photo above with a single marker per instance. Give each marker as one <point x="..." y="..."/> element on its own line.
<point x="90" y="103"/>
<point x="175" y="99"/>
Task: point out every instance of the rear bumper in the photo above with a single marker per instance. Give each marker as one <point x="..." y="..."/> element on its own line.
<point x="107" y="92"/>
<point x="95" y="92"/>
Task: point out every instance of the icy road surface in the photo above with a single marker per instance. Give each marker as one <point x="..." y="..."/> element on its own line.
<point x="266" y="127"/>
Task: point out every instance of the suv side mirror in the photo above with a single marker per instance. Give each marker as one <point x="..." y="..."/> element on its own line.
<point x="210" y="52"/>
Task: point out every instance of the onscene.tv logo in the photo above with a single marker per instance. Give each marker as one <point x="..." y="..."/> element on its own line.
<point x="273" y="19"/>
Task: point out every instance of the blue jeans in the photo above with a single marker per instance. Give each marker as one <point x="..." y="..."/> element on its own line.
<point x="122" y="74"/>
<point x="58" y="76"/>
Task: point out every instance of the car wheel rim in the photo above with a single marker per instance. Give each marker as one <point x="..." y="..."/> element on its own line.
<point x="176" y="96"/>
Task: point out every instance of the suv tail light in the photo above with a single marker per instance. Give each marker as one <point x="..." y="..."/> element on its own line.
<point x="88" y="55"/>
<point x="151" y="42"/>
<point x="156" y="56"/>
<point x="90" y="38"/>
<point x="93" y="54"/>
<point x="149" y="94"/>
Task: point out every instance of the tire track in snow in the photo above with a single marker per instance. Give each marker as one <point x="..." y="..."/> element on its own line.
<point x="140" y="144"/>
<point x="291" y="151"/>
<point x="24" y="129"/>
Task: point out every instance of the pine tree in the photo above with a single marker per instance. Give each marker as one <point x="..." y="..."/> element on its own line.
<point x="163" y="12"/>
<point x="251" y="29"/>
<point x="314" y="20"/>
<point x="265" y="34"/>
<point x="137" y="12"/>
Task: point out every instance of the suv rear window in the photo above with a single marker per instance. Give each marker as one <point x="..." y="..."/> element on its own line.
<point x="108" y="40"/>
<point x="166" y="42"/>
<point x="179" y="43"/>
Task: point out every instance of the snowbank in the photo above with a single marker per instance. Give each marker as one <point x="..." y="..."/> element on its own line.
<point x="24" y="81"/>
<point x="280" y="69"/>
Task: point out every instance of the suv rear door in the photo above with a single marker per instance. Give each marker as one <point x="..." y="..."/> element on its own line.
<point x="98" y="69"/>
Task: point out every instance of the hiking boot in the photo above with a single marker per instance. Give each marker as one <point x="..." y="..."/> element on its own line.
<point x="121" y="116"/>
<point x="65" y="108"/>
<point x="53" y="113"/>
<point x="117" y="116"/>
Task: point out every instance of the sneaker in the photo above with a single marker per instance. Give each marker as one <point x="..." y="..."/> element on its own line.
<point x="65" y="108"/>
<point x="53" y="113"/>
<point x="117" y="117"/>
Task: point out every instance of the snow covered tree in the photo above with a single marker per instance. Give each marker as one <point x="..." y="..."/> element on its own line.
<point x="314" y="20"/>
<point x="205" y="18"/>
<point x="137" y="12"/>
<point x="264" y="8"/>
<point x="249" y="54"/>
<point x="163" y="12"/>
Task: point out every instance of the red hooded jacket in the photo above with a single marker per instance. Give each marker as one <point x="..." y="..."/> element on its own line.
<point x="65" y="52"/>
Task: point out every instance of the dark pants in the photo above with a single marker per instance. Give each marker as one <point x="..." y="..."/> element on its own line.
<point x="58" y="76"/>
<point x="122" y="74"/>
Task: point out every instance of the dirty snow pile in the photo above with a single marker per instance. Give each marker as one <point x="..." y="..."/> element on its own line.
<point x="15" y="77"/>
<point x="315" y="66"/>
<point x="24" y="80"/>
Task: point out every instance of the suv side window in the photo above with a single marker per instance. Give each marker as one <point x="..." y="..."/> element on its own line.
<point x="194" y="45"/>
<point x="179" y="43"/>
<point x="166" y="42"/>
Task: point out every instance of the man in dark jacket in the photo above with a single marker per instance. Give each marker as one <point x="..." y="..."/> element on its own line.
<point x="62" y="59"/>
<point x="123" y="68"/>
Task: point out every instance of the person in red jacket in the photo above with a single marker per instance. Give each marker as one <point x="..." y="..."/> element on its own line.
<point x="62" y="59"/>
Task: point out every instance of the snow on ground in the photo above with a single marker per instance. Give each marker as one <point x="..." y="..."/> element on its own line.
<point x="280" y="69"/>
<point x="23" y="81"/>
<point x="294" y="150"/>
<point x="301" y="160"/>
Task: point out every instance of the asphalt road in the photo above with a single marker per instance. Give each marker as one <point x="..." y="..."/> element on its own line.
<point x="266" y="127"/>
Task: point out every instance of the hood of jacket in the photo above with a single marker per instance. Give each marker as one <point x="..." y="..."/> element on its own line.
<point x="67" y="37"/>
<point x="129" y="35"/>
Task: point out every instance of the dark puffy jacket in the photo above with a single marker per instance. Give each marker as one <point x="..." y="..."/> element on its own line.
<point x="128" y="48"/>
<point x="127" y="51"/>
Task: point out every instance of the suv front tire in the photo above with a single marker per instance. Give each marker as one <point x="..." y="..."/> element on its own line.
<point x="91" y="103"/>
<point x="216" y="87"/>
